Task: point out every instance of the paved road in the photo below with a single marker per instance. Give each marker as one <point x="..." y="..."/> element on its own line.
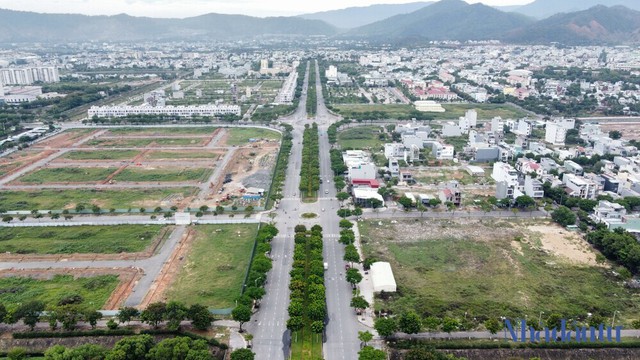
<point x="394" y="213"/>
<point x="216" y="175"/>
<point x="342" y="328"/>
<point x="271" y="339"/>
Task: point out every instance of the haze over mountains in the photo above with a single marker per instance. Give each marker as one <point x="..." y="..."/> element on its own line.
<point x="417" y="22"/>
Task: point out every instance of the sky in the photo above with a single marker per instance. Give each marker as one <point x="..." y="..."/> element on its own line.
<point x="186" y="8"/>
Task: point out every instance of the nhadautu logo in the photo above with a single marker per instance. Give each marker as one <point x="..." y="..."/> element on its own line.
<point x="580" y="334"/>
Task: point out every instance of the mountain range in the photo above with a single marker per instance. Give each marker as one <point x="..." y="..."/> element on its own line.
<point x="442" y="20"/>
<point x="17" y="26"/>
<point x="353" y="17"/>
<point x="541" y="9"/>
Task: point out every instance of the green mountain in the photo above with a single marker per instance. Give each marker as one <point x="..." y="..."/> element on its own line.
<point x="541" y="9"/>
<point x="17" y="26"/>
<point x="445" y="20"/>
<point x="597" y="25"/>
<point x="353" y="17"/>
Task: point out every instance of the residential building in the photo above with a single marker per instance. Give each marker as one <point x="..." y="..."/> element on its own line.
<point x="29" y="75"/>
<point x="451" y="193"/>
<point x="363" y="196"/>
<point x="451" y="130"/>
<point x="555" y="134"/>
<point x="394" y="168"/>
<point x="533" y="187"/>
<point x="609" y="213"/>
<point x="180" y="111"/>
<point x="442" y="151"/>
<point x="577" y="186"/>
<point x="573" y="168"/>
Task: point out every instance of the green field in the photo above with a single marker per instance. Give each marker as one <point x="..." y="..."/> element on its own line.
<point x="67" y="174"/>
<point x="106" y="199"/>
<point x="95" y="291"/>
<point x="215" y="268"/>
<point x="453" y="111"/>
<point x="163" y="175"/>
<point x="241" y="136"/>
<point x="135" y="143"/>
<point x="78" y="239"/>
<point x="101" y="155"/>
<point x="172" y="155"/>
<point x="361" y="137"/>
<point x="489" y="269"/>
<point x="306" y="345"/>
<point x="163" y="131"/>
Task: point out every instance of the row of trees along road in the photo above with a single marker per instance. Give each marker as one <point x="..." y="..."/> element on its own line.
<point x="310" y="169"/>
<point x="307" y="308"/>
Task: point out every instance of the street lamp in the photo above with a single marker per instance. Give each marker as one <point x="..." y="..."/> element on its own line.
<point x="614" y="317"/>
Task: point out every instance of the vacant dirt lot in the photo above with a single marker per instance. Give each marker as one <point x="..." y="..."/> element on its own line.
<point x="565" y="244"/>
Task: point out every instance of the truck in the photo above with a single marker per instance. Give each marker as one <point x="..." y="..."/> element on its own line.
<point x="326" y="266"/>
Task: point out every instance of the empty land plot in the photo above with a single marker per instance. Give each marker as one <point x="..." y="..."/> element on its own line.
<point x="453" y="111"/>
<point x="18" y="159"/>
<point x="361" y="137"/>
<point x="95" y="290"/>
<point x="163" y="174"/>
<point x="160" y="131"/>
<point x="490" y="269"/>
<point x="214" y="270"/>
<point x="241" y="136"/>
<point x="179" y="155"/>
<point x="66" y="175"/>
<point x="106" y="199"/>
<point x="79" y="239"/>
<point x="143" y="142"/>
<point x="66" y="138"/>
<point x="100" y="155"/>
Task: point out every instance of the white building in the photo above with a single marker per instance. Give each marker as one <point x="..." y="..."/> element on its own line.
<point x="382" y="277"/>
<point x="451" y="130"/>
<point x="359" y="166"/>
<point x="555" y="134"/>
<point x="393" y="151"/>
<point x="533" y="188"/>
<point x="332" y="73"/>
<point x="497" y="125"/>
<point x="180" y="111"/>
<point x="579" y="187"/>
<point x="288" y="90"/>
<point x="27" y="76"/>
<point x="505" y="172"/>
<point x="609" y="213"/>
<point x="429" y="106"/>
<point x="442" y="151"/>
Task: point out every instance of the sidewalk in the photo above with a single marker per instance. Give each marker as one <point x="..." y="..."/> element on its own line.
<point x="366" y="285"/>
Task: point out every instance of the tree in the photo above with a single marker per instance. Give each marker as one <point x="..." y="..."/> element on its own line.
<point x="432" y="323"/>
<point x="385" y="326"/>
<point x="317" y="310"/>
<point x="359" y="303"/>
<point x="154" y="313"/>
<point x="92" y="317"/>
<point x="87" y="351"/>
<point x="345" y="224"/>
<point x="29" y="312"/>
<point x="615" y="134"/>
<point x="369" y="353"/>
<point x="342" y="196"/>
<point x="493" y="325"/>
<point x="409" y="323"/>
<point x="242" y="354"/>
<point x="126" y="314"/>
<point x="365" y="336"/>
<point x="201" y="317"/>
<point x="450" y="324"/>
<point x="434" y="202"/>
<point x="241" y="314"/>
<point x="351" y="254"/>
<point x="295" y="323"/>
<point x="317" y="327"/>
<point x="563" y="216"/>
<point x="17" y="353"/>
<point x="375" y="203"/>
<point x="174" y="313"/>
<point x="180" y="348"/>
<point x="131" y="348"/>
<point x="525" y="202"/>
<point x="405" y="202"/>
<point x="353" y="276"/>
<point x="357" y="211"/>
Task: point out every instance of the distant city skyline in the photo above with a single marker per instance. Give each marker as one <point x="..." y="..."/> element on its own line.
<point x="188" y="8"/>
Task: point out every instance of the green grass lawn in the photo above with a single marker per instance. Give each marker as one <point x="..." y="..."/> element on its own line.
<point x="361" y="137"/>
<point x="107" y="143"/>
<point x="95" y="290"/>
<point x="106" y="199"/>
<point x="78" y="239"/>
<point x="215" y="268"/>
<point x="163" y="175"/>
<point x="172" y="155"/>
<point x="101" y="155"/>
<point x="241" y="136"/>
<point x="453" y="111"/>
<point x="164" y="131"/>
<point x="489" y="269"/>
<point x="66" y="174"/>
<point x="305" y="345"/>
